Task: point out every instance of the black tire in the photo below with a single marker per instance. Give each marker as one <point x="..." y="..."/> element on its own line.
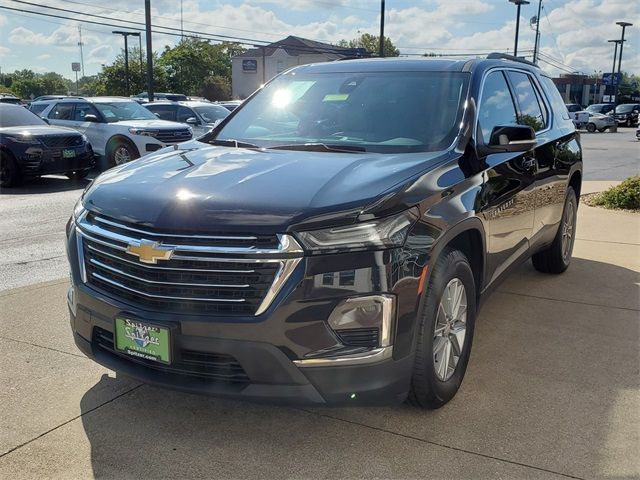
<point x="114" y="149"/>
<point x="601" y="130"/>
<point x="77" y="175"/>
<point x="10" y="175"/>
<point x="628" y="123"/>
<point x="427" y="389"/>
<point x="557" y="258"/>
<point x="591" y="127"/>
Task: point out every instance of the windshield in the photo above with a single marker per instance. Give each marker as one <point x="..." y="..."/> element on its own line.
<point x="624" y="108"/>
<point x="17" y="116"/>
<point x="374" y="111"/>
<point x="117" y="111"/>
<point x="211" y="113"/>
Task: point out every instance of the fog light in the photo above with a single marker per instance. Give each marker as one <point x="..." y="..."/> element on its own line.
<point x="356" y="317"/>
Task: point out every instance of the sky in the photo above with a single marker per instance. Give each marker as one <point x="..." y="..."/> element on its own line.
<point x="574" y="33"/>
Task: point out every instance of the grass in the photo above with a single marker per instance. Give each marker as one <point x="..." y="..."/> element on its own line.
<point x="625" y="196"/>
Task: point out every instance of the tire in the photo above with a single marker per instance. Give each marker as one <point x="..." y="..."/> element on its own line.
<point x="10" y="175"/>
<point x="77" y="175"/>
<point x="628" y="123"/>
<point x="557" y="257"/>
<point x="591" y="127"/>
<point x="432" y="384"/>
<point x="120" y="151"/>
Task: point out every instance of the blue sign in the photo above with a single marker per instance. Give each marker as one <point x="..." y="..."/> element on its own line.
<point x="606" y="78"/>
<point x="249" y="65"/>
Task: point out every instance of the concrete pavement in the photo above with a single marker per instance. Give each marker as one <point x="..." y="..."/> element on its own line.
<point x="552" y="391"/>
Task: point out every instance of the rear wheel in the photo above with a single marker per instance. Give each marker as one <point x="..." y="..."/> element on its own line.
<point x="628" y="123"/>
<point x="445" y="332"/>
<point x="9" y="172"/>
<point x="557" y="257"/>
<point x="591" y="127"/>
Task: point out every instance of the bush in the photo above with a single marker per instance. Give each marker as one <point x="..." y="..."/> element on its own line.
<point x="624" y="196"/>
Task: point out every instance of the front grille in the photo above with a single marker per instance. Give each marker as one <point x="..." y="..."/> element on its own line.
<point x="61" y="141"/>
<point x="213" y="366"/>
<point x="359" y="337"/>
<point x="173" y="136"/>
<point x="205" y="274"/>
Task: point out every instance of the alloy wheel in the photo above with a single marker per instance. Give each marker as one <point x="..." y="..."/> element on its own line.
<point x="122" y="155"/>
<point x="568" y="221"/>
<point x="450" y="329"/>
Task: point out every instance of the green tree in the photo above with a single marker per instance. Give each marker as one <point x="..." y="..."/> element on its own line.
<point x="630" y="83"/>
<point x="372" y="44"/>
<point x="216" y="87"/>
<point x="112" y="79"/>
<point x="26" y="83"/>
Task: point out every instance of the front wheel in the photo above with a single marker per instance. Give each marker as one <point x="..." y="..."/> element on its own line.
<point x="557" y="257"/>
<point x="445" y="332"/>
<point x="9" y="172"/>
<point x="591" y="127"/>
<point x="119" y="152"/>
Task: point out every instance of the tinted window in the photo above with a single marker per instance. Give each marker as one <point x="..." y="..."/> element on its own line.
<point x="553" y="95"/>
<point x="38" y="108"/>
<point x="163" y="112"/>
<point x="530" y="112"/>
<point x="83" y="109"/>
<point x="211" y="113"/>
<point x="62" y="111"/>
<point x="17" y="116"/>
<point x="184" y="114"/>
<point x="374" y="111"/>
<point x="496" y="105"/>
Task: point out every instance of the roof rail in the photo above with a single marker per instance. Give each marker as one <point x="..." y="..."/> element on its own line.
<point x="506" y="56"/>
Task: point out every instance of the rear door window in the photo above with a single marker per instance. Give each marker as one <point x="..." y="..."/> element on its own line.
<point x="184" y="114"/>
<point x="83" y="109"/>
<point x="164" y="112"/>
<point x="531" y="113"/>
<point x="62" y="111"/>
<point x="496" y="105"/>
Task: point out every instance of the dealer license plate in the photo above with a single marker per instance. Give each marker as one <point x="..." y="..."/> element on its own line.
<point x="66" y="153"/>
<point x="141" y="340"/>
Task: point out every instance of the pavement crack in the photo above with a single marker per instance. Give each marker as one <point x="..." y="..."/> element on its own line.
<point x="575" y="302"/>
<point x="442" y="445"/>
<point x="42" y="346"/>
<point x="27" y="262"/>
<point x="69" y="421"/>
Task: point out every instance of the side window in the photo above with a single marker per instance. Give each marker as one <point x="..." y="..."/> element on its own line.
<point x="62" y="111"/>
<point x="184" y="113"/>
<point x="557" y="103"/>
<point x="83" y="109"/>
<point x="38" y="108"/>
<point x="164" y="112"/>
<point x="496" y="105"/>
<point x="531" y="113"/>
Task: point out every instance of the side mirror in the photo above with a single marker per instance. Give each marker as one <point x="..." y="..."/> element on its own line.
<point x="90" y="117"/>
<point x="192" y="121"/>
<point x="510" y="138"/>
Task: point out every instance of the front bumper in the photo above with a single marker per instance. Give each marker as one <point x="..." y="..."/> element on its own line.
<point x="270" y="352"/>
<point x="42" y="161"/>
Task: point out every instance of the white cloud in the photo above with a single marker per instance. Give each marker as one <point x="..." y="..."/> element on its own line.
<point x="44" y="56"/>
<point x="100" y="55"/>
<point x="4" y="51"/>
<point x="3" y="20"/>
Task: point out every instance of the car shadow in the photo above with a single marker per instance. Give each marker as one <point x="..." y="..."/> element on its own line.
<point x="551" y="384"/>
<point x="48" y="184"/>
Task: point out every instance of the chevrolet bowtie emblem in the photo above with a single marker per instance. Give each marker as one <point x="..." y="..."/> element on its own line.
<point x="149" y="252"/>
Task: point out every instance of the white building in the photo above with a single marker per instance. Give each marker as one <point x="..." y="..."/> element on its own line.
<point x="259" y="65"/>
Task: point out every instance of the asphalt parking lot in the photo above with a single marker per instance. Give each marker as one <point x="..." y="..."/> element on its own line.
<point x="552" y="389"/>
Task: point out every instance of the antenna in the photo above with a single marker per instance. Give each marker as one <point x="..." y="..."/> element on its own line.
<point x="80" y="44"/>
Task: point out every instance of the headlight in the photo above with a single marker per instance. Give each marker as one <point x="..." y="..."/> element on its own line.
<point x="143" y="131"/>
<point x="78" y="209"/>
<point x="375" y="234"/>
<point x="28" y="139"/>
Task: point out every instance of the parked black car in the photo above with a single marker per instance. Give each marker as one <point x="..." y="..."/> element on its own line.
<point x="10" y="99"/>
<point x="627" y="114"/>
<point x="29" y="147"/>
<point x="332" y="239"/>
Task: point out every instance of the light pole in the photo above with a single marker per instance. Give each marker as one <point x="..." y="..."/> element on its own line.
<point x="381" y="49"/>
<point x="614" y="128"/>
<point x="537" y="42"/>
<point x="519" y="4"/>
<point x="126" y="54"/>
<point x="147" y="21"/>
<point x="624" y="26"/>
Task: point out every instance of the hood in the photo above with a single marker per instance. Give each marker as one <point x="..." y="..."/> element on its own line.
<point x="157" y="124"/>
<point x="38" y="130"/>
<point x="221" y="189"/>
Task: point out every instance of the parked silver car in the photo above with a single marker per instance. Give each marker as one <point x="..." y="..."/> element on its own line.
<point x="599" y="122"/>
<point x="200" y="116"/>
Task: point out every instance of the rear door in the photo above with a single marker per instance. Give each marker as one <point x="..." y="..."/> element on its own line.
<point x="62" y="114"/>
<point x="508" y="196"/>
<point x="95" y="131"/>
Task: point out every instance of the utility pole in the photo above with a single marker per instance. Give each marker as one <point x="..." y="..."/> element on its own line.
<point x="518" y="3"/>
<point x="614" y="128"/>
<point x="624" y="26"/>
<point x="80" y="44"/>
<point x="147" y="19"/>
<point x="536" y="46"/>
<point x="381" y="50"/>
<point x="126" y="54"/>
<point x="141" y="64"/>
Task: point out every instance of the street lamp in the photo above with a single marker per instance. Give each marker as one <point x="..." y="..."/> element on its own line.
<point x="614" y="128"/>
<point x="624" y="25"/>
<point x="518" y="3"/>
<point x="126" y="53"/>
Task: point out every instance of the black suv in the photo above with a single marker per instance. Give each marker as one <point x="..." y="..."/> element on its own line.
<point x="627" y="114"/>
<point x="332" y="239"/>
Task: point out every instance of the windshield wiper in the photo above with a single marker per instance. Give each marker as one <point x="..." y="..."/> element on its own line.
<point x="233" y="143"/>
<point x="320" y="147"/>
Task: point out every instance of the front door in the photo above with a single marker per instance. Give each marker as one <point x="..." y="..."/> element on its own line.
<point x="508" y="196"/>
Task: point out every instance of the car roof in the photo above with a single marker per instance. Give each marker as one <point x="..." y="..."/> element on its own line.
<point x="95" y="99"/>
<point x="186" y="103"/>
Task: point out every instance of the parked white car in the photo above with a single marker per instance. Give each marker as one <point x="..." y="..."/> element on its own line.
<point x="119" y="129"/>
<point x="599" y="122"/>
<point x="200" y="116"/>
